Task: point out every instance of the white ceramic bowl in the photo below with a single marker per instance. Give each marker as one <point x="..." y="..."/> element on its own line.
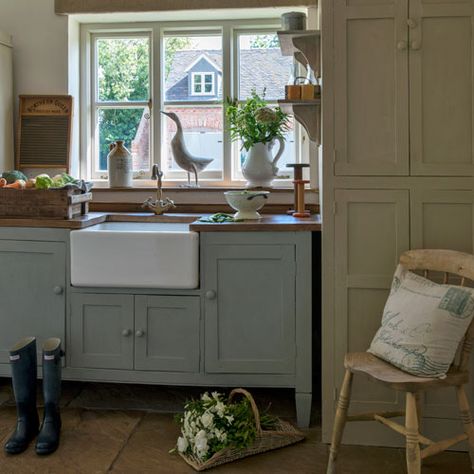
<point x="246" y="203"/>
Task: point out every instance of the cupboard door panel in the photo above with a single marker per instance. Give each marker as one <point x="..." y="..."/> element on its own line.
<point x="250" y="314"/>
<point x="169" y="328"/>
<point x="32" y="293"/>
<point x="371" y="88"/>
<point x="441" y="88"/>
<point x="373" y="230"/>
<point x="101" y="331"/>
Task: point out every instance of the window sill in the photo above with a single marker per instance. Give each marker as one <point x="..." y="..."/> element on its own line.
<point x="201" y="189"/>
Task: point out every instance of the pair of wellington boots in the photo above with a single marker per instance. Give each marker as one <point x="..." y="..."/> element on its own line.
<point x="23" y="367"/>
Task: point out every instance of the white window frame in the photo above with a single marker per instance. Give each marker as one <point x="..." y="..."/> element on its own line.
<point x="203" y="75"/>
<point x="157" y="31"/>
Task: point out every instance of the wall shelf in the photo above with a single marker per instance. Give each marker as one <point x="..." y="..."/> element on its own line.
<point x="306" y="112"/>
<point x="304" y="45"/>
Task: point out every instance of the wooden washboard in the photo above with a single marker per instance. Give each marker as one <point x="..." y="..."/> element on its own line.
<point x="44" y="131"/>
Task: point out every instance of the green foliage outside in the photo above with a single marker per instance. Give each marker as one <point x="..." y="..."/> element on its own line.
<point x="123" y="75"/>
<point x="265" y="42"/>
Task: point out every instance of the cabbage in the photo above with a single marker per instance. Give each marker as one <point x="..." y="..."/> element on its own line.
<point x="43" y="181"/>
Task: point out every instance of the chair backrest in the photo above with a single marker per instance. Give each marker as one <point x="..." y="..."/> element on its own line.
<point x="447" y="262"/>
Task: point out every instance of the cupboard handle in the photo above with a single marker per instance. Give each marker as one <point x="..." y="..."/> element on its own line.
<point x="412" y="23"/>
<point x="58" y="290"/>
<point x="402" y="45"/>
<point x="415" y="45"/>
<point x="140" y="333"/>
<point x="126" y="332"/>
<point x="211" y="295"/>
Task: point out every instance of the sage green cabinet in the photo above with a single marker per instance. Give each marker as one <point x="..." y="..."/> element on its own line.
<point x="117" y="331"/>
<point x="102" y="331"/>
<point x="167" y="333"/>
<point x="250" y="308"/>
<point x="32" y="292"/>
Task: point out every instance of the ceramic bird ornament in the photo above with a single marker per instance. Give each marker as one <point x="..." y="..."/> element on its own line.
<point x="184" y="159"/>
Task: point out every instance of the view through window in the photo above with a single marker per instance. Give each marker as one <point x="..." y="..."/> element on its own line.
<point x="198" y="70"/>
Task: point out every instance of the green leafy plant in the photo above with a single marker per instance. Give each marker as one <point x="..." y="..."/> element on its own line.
<point x="254" y="121"/>
<point x="211" y="424"/>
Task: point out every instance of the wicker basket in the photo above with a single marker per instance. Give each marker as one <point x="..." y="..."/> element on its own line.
<point x="284" y="435"/>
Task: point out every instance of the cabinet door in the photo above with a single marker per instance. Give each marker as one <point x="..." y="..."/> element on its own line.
<point x="372" y="229"/>
<point x="250" y="309"/>
<point x="101" y="331"/>
<point x="441" y="87"/>
<point x="371" y="87"/>
<point x="167" y="333"/>
<point x="443" y="219"/>
<point x="32" y="285"/>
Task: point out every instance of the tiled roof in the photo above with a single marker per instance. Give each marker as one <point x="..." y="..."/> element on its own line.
<point x="258" y="67"/>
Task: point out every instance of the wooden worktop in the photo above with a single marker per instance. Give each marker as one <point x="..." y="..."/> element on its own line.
<point x="269" y="222"/>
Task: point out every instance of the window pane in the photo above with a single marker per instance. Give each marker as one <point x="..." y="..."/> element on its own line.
<point x="131" y="125"/>
<point x="262" y="66"/>
<point x="203" y="137"/>
<point x="188" y="57"/>
<point x="123" y="69"/>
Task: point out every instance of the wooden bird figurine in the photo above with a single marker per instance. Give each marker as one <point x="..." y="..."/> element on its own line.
<point x="184" y="159"/>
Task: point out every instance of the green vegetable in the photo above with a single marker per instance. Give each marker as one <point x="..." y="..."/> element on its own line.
<point x="219" y="218"/>
<point x="12" y="176"/>
<point x="58" y="182"/>
<point x="43" y="181"/>
<point x="69" y="179"/>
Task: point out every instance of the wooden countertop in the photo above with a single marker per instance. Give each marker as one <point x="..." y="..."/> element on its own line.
<point x="80" y="222"/>
<point x="269" y="222"/>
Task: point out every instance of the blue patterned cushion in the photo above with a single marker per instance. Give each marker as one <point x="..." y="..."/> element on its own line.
<point x="423" y="324"/>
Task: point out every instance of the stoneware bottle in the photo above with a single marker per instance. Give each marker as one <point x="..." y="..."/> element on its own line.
<point x="120" y="166"/>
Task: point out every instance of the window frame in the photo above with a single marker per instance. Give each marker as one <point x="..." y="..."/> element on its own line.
<point x="157" y="31"/>
<point x="203" y="75"/>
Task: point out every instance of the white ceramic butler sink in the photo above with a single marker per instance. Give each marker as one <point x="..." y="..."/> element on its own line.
<point x="135" y="255"/>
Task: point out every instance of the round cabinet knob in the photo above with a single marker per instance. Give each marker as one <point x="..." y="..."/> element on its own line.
<point x="126" y="332"/>
<point x="415" y="45"/>
<point x="58" y="290"/>
<point x="412" y="23"/>
<point x="211" y="295"/>
<point x="140" y="333"/>
<point x="402" y="45"/>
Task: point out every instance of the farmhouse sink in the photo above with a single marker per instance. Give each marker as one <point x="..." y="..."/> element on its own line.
<point x="135" y="255"/>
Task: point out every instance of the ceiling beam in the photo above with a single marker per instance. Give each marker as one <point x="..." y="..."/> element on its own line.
<point x="65" y="7"/>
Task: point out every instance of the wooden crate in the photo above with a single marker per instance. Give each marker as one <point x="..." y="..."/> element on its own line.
<point x="44" y="203"/>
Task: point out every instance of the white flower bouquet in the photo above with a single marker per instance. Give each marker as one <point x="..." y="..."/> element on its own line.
<point x="216" y="430"/>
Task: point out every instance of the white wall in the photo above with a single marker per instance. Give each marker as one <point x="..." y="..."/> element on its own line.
<point x="40" y="53"/>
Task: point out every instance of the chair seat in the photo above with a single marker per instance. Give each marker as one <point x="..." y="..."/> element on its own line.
<point x="382" y="372"/>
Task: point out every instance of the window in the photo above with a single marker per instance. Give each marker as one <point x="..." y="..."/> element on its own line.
<point x="133" y="74"/>
<point x="203" y="83"/>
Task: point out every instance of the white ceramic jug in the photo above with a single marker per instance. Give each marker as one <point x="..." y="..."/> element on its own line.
<point x="260" y="168"/>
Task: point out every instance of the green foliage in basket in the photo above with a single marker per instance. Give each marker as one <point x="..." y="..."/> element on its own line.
<point x="211" y="424"/>
<point x="254" y="121"/>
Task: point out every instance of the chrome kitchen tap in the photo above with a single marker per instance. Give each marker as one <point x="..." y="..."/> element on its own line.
<point x="159" y="205"/>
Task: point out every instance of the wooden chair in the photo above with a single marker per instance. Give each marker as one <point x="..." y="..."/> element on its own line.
<point x="449" y="263"/>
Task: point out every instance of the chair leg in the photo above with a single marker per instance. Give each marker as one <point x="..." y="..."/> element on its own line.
<point x="466" y="419"/>
<point x="413" y="454"/>
<point x="340" y="421"/>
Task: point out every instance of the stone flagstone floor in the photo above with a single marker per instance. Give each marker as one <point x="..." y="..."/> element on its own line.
<point x="130" y="429"/>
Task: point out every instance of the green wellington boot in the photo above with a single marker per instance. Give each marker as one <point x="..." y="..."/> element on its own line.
<point x="23" y="366"/>
<point x="48" y="438"/>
